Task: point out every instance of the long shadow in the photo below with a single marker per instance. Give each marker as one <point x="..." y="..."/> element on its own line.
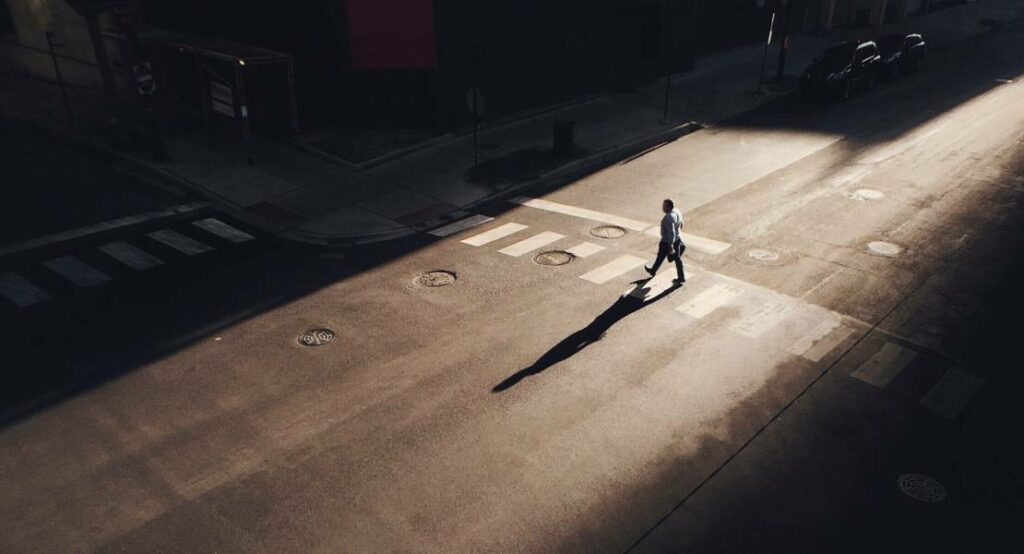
<point x="593" y="332"/>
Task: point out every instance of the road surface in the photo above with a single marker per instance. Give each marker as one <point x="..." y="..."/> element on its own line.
<point x="847" y="320"/>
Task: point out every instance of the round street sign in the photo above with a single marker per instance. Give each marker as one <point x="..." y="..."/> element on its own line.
<point x="475" y="102"/>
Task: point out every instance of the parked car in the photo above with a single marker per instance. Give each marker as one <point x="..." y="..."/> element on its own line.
<point x="840" y="69"/>
<point x="901" y="53"/>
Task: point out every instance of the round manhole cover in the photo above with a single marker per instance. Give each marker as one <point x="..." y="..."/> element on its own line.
<point x="608" y="232"/>
<point x="881" y="248"/>
<point x="316" y="337"/>
<point x="762" y="255"/>
<point x="436" y="279"/>
<point x="922" y="487"/>
<point x="866" y="194"/>
<point x="553" y="257"/>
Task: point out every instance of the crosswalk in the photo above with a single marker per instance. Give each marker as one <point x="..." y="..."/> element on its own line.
<point x="805" y="331"/>
<point x="40" y="281"/>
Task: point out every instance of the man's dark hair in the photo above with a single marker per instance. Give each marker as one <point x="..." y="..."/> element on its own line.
<point x="670" y="203"/>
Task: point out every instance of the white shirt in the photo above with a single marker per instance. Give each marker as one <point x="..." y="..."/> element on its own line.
<point x="671" y="225"/>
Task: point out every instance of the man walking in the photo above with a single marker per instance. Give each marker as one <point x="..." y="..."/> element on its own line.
<point x="671" y="244"/>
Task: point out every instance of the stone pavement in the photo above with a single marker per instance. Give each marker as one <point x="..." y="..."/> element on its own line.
<point x="303" y="194"/>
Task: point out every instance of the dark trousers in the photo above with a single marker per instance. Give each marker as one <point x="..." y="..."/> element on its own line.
<point x="673" y="252"/>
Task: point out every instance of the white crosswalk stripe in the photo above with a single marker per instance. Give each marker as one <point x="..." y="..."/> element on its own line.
<point x="179" y="242"/>
<point x="20" y="290"/>
<point x="821" y="340"/>
<point x="461" y="225"/>
<point x="494" y="234"/>
<point x="767" y="316"/>
<point x="613" y="269"/>
<point x="710" y="300"/>
<point x="952" y="393"/>
<point x="223" y="230"/>
<point x="77" y="271"/>
<point x="131" y="256"/>
<point x="582" y="213"/>
<point x="531" y="244"/>
<point x="884" y="365"/>
<point x="585" y="249"/>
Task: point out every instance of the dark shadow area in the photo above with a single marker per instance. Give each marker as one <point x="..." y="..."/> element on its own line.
<point x="520" y="165"/>
<point x="593" y="332"/>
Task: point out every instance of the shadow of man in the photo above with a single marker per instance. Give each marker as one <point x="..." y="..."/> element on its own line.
<point x="595" y="331"/>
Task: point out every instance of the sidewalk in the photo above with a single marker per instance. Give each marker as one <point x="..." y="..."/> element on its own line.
<point x="300" y="194"/>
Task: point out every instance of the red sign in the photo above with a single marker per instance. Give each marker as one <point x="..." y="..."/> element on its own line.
<point x="391" y="34"/>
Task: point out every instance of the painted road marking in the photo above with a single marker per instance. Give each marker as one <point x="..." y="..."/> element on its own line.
<point x="129" y="255"/>
<point x="585" y="249"/>
<point x="819" y="341"/>
<point x="494" y="234"/>
<point x="952" y="393"/>
<point x="20" y="290"/>
<point x="658" y="284"/>
<point x="885" y="365"/>
<point x="704" y="244"/>
<point x="179" y="242"/>
<point x="613" y="269"/>
<point x="767" y="316"/>
<point x="710" y="300"/>
<point x="531" y="244"/>
<point x="100" y="227"/>
<point x="583" y="213"/>
<point x="77" y="271"/>
<point x="460" y="225"/>
<point x="223" y="230"/>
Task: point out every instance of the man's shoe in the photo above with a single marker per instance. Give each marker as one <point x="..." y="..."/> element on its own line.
<point x="649" y="270"/>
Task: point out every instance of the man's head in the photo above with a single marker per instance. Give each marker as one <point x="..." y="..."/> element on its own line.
<point x="668" y="205"/>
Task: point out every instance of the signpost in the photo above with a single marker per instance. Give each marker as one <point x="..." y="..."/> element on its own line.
<point x="764" y="59"/>
<point x="475" y="106"/>
<point x="144" y="83"/>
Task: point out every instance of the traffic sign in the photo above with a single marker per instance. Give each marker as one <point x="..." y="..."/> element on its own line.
<point x="144" y="78"/>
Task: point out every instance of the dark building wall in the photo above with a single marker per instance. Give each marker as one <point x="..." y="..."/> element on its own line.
<point x="524" y="53"/>
<point x="520" y="53"/>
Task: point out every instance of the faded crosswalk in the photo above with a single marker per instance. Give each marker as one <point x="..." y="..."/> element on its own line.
<point x="91" y="266"/>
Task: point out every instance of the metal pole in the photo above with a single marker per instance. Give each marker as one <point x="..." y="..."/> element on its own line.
<point x="60" y="79"/>
<point x="764" y="59"/>
<point x="476" y="127"/>
<point x="664" y="112"/>
<point x="780" y="68"/>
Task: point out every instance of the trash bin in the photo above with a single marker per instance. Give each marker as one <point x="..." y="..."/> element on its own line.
<point x="563" y="137"/>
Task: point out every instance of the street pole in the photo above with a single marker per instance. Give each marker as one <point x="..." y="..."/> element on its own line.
<point x="780" y="68"/>
<point x="60" y="79"/>
<point x="764" y="58"/>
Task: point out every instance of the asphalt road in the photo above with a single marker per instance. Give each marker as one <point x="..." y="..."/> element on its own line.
<point x="771" y="404"/>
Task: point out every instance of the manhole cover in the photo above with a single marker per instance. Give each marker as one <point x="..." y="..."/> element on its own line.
<point x="880" y="248"/>
<point x="866" y="194"/>
<point x="436" y="279"/>
<point x="553" y="257"/>
<point x="608" y="232"/>
<point x="316" y="337"/>
<point x="762" y="255"/>
<point x="922" y="487"/>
